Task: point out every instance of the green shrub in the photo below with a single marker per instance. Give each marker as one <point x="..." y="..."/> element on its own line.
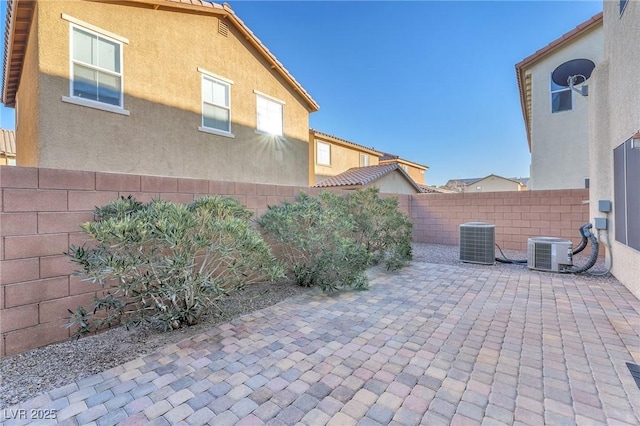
<point x="384" y="230"/>
<point x="168" y="262"/>
<point x="315" y="240"/>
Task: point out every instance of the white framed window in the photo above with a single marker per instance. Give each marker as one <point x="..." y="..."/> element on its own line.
<point x="269" y="114"/>
<point x="323" y="153"/>
<point x="364" y="160"/>
<point x="405" y="168"/>
<point x="216" y="104"/>
<point x="96" y="77"/>
<point x="561" y="97"/>
<point x="478" y="188"/>
<point x="11" y="161"/>
<point x="95" y="68"/>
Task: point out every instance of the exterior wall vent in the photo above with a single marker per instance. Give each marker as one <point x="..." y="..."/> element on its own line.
<point x="477" y="243"/>
<point x="223" y="29"/>
<point x="549" y="254"/>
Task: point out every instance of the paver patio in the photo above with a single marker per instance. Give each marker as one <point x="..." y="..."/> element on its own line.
<point x="432" y="344"/>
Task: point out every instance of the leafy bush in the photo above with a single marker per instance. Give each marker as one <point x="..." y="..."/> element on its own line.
<point x="169" y="262"/>
<point x="316" y="243"/>
<point x="383" y="229"/>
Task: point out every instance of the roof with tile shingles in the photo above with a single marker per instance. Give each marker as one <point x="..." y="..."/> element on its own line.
<point x="362" y="176"/>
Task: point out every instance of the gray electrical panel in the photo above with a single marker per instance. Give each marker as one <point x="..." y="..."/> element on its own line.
<point x="604" y="206"/>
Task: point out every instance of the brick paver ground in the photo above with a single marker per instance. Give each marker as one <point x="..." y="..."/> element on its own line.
<point x="432" y="344"/>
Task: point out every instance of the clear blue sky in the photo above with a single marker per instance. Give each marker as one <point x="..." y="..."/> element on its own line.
<point x="433" y="82"/>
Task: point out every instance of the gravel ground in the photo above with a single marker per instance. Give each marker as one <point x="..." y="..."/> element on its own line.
<point x="28" y="374"/>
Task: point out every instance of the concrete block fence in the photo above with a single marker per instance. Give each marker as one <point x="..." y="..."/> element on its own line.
<point x="41" y="209"/>
<point x="517" y="215"/>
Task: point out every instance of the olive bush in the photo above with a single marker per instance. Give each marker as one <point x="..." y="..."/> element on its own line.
<point x="167" y="263"/>
<point x="315" y="240"/>
<point x="384" y="230"/>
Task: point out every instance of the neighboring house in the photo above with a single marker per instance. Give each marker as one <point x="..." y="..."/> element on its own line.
<point x="329" y="156"/>
<point x="555" y="117"/>
<point x="614" y="139"/>
<point x="389" y="178"/>
<point x="161" y="87"/>
<point x="7" y="147"/>
<point x="418" y="172"/>
<point x="491" y="183"/>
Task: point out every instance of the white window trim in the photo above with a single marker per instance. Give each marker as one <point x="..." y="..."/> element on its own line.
<point x="215" y="76"/>
<point x="318" y="157"/>
<point x="95" y="105"/>
<point x="216" y="132"/>
<point x="271" y="98"/>
<point x="207" y="74"/>
<point x="84" y="26"/>
<point x="88" y="26"/>
<point x="363" y="162"/>
<point x="551" y="92"/>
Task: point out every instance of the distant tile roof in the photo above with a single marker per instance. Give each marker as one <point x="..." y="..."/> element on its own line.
<point x="467" y="181"/>
<point x="426" y="189"/>
<point x="8" y="142"/>
<point x="333" y="138"/>
<point x="18" y="22"/>
<point x="362" y="176"/>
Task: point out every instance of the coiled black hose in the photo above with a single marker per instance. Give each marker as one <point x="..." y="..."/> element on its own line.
<point x="585" y="230"/>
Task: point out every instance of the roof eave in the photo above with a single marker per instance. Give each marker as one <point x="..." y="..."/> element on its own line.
<point x="312" y="105"/>
<point x="344" y="142"/>
<point x="401" y="160"/>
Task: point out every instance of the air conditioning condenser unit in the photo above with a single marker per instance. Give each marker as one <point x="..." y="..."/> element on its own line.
<point x="549" y="254"/>
<point x="477" y="243"/>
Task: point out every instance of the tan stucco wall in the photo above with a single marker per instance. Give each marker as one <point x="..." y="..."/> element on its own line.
<point x="163" y="94"/>
<point x="559" y="154"/>
<point x="418" y="177"/>
<point x="613" y="119"/>
<point x="342" y="159"/>
<point x="27" y="131"/>
<point x="394" y="183"/>
<point x="492" y="184"/>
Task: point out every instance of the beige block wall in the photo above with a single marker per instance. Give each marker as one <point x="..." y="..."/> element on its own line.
<point x="559" y="147"/>
<point x="613" y="119"/>
<point x="163" y="94"/>
<point x="27" y="101"/>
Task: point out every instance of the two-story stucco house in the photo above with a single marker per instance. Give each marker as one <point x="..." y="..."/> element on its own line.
<point x="556" y="117"/>
<point x="614" y="140"/>
<point x="330" y="155"/>
<point x="158" y="87"/>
